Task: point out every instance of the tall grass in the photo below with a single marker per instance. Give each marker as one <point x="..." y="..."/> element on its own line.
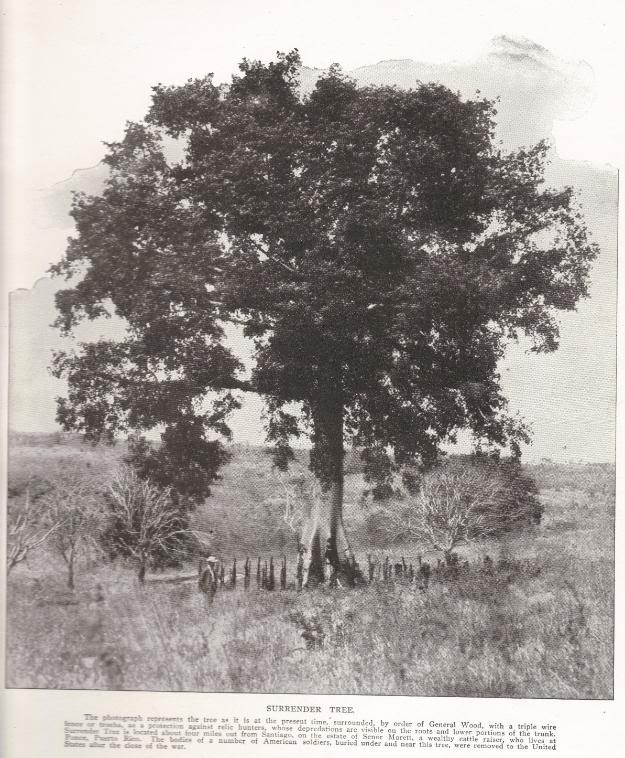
<point x="515" y="633"/>
<point x="539" y="624"/>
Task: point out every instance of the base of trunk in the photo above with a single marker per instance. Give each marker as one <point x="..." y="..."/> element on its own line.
<point x="326" y="552"/>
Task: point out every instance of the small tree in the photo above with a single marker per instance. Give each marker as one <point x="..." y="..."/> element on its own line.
<point x="292" y="500"/>
<point x="143" y="523"/>
<point x="27" y="530"/>
<point x="72" y="506"/>
<point x="466" y="501"/>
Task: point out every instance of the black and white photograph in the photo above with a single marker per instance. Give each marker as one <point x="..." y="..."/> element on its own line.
<point x="311" y="353"/>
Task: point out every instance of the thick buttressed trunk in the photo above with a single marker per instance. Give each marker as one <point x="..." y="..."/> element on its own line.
<point x="327" y="554"/>
<point x="325" y="544"/>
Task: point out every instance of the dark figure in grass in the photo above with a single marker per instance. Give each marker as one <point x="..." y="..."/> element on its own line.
<point x="208" y="576"/>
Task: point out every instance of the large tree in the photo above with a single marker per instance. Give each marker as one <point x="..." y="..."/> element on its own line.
<point x="375" y="244"/>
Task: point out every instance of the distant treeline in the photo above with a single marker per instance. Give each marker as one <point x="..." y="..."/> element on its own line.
<point x="45" y="439"/>
<point x="548" y="474"/>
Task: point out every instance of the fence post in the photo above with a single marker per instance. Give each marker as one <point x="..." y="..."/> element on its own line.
<point x="258" y="575"/>
<point x="246" y="574"/>
<point x="371" y="566"/>
<point x="283" y="574"/>
<point x="272" y="578"/>
<point x="234" y="574"/>
<point x="263" y="582"/>
<point x="299" y="571"/>
<point x="424" y="572"/>
<point x="222" y="574"/>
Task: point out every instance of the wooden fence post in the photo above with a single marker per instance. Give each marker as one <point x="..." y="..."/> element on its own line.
<point x="425" y="572"/>
<point x="246" y="574"/>
<point x="272" y="578"/>
<point x="258" y="574"/>
<point x="283" y="574"/>
<point x="233" y="579"/>
<point x="299" y="571"/>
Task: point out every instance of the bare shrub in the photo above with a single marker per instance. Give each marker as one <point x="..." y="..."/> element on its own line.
<point x="143" y="522"/>
<point x="300" y="493"/>
<point x="28" y="530"/>
<point x="72" y="504"/>
<point x="460" y="502"/>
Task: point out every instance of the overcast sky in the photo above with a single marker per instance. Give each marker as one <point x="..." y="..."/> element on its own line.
<point x="79" y="69"/>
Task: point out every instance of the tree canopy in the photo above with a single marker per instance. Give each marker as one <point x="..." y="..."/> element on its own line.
<point x="375" y="243"/>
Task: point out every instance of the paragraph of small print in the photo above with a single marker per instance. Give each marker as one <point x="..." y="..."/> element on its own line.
<point x="178" y="733"/>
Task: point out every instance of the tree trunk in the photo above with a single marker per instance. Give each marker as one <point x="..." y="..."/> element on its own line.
<point x="324" y="541"/>
<point x="143" y="564"/>
<point x="450" y="556"/>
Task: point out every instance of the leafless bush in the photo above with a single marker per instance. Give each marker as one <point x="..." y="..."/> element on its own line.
<point x="72" y="504"/>
<point x="297" y="498"/>
<point x="143" y="521"/>
<point x="27" y="530"/>
<point x="459" y="503"/>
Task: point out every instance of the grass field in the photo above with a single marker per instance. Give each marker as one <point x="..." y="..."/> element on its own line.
<point x="538" y="625"/>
